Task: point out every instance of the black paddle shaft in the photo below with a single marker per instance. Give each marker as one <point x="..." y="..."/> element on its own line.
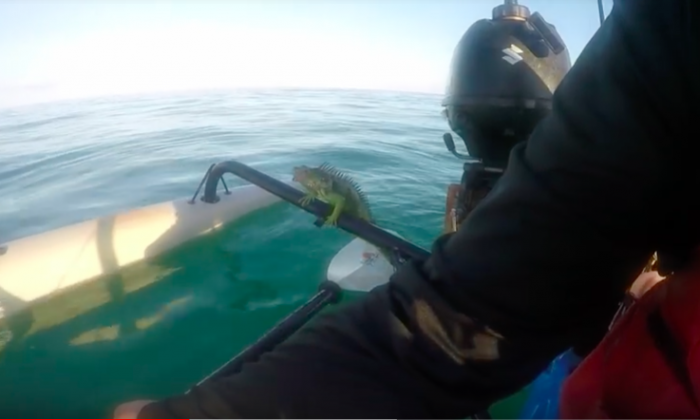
<point x="360" y="228"/>
<point x="329" y="292"/>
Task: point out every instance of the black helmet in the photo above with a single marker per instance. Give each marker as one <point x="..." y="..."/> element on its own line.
<point x="504" y="72"/>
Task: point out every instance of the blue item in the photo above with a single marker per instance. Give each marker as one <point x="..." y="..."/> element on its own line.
<point x="543" y="401"/>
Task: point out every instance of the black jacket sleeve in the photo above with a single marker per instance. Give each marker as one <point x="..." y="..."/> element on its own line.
<point x="543" y="260"/>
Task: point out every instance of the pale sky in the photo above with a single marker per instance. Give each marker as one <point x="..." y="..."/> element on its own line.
<point x="61" y="49"/>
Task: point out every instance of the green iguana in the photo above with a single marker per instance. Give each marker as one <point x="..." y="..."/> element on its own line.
<point x="331" y="186"/>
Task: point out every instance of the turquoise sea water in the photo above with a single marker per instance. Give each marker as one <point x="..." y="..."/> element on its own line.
<point x="190" y="310"/>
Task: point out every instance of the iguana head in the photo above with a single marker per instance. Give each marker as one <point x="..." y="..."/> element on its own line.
<point x="312" y="179"/>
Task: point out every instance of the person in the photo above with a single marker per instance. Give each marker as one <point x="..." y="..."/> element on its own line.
<point x="539" y="266"/>
<point x="504" y="71"/>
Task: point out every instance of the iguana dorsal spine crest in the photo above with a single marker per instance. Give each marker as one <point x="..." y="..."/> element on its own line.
<point x="340" y="177"/>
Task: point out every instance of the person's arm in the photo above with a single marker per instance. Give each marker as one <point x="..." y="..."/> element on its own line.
<point x="542" y="261"/>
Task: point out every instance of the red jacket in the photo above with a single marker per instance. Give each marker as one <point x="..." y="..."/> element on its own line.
<point x="648" y="366"/>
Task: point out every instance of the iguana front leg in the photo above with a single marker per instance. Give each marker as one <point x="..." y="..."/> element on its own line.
<point x="336" y="201"/>
<point x="307" y="198"/>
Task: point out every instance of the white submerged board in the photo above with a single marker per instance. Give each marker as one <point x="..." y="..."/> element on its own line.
<point x="359" y="267"/>
<point x="41" y="265"/>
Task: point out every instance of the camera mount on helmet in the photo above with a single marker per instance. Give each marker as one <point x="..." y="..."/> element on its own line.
<point x="510" y="9"/>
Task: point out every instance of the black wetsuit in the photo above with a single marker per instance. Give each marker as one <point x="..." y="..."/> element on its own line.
<point x="610" y="176"/>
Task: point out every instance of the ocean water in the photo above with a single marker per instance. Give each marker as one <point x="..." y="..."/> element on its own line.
<point x="187" y="312"/>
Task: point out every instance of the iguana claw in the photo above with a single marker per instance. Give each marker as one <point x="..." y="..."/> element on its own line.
<point x="331" y="220"/>
<point x="306" y="200"/>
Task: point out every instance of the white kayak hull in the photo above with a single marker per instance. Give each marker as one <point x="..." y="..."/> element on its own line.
<point x="39" y="266"/>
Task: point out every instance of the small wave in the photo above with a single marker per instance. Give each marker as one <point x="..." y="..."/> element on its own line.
<point x="33" y="124"/>
<point x="271" y="303"/>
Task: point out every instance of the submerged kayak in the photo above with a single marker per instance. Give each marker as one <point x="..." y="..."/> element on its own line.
<point x="40" y="266"/>
<point x="65" y="269"/>
<point x="67" y="261"/>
